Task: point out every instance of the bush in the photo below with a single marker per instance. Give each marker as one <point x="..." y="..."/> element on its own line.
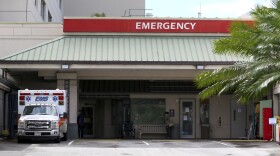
<point x="5" y="133"/>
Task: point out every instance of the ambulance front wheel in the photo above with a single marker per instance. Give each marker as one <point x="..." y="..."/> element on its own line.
<point x="57" y="140"/>
<point x="19" y="140"/>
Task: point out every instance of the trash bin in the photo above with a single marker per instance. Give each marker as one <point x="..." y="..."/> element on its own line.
<point x="205" y="131"/>
<point x="175" y="131"/>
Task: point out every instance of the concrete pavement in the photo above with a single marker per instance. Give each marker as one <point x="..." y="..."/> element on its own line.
<point x="119" y="147"/>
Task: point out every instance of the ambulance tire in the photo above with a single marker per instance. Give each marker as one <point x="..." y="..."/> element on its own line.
<point x="20" y="140"/>
<point x="64" y="136"/>
<point x="57" y="140"/>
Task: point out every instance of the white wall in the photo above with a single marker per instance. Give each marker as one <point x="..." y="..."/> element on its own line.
<point x="27" y="11"/>
<point x="12" y="10"/>
<point x="20" y="36"/>
<point x="111" y="8"/>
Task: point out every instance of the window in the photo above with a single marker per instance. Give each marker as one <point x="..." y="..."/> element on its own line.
<point x="40" y="110"/>
<point x="43" y="9"/>
<point x="148" y="111"/>
<point x="60" y="4"/>
<point x="49" y="17"/>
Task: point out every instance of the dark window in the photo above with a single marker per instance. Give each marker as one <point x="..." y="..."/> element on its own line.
<point x="43" y="9"/>
<point x="137" y="86"/>
<point x="234" y="115"/>
<point x="148" y="111"/>
<point x="60" y="4"/>
<point x="49" y="17"/>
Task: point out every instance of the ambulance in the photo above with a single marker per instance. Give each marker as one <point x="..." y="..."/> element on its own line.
<point x="42" y="115"/>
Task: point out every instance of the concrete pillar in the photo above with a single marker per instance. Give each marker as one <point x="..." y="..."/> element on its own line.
<point x="3" y="106"/>
<point x="2" y="102"/>
<point x="69" y="81"/>
<point x="60" y="84"/>
<point x="276" y="108"/>
<point x="73" y="105"/>
<point x="108" y="127"/>
<point x="275" y="104"/>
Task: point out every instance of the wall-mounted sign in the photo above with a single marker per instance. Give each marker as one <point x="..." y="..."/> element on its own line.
<point x="165" y="25"/>
<point x="147" y="25"/>
<point x="272" y="121"/>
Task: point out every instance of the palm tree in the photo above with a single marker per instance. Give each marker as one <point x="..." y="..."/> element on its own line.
<point x="260" y="43"/>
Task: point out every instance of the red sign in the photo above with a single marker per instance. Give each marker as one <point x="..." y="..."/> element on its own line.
<point x="132" y="25"/>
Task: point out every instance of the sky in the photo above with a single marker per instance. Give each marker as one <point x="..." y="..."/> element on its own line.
<point x="208" y="8"/>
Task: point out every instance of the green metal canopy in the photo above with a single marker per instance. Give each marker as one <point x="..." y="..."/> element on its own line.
<point x="172" y="49"/>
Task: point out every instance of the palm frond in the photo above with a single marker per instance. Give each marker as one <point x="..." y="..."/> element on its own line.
<point x="260" y="42"/>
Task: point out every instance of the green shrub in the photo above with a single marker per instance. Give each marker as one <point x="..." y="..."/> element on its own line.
<point x="5" y="132"/>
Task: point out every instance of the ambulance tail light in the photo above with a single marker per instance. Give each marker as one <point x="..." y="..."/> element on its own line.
<point x="21" y="102"/>
<point x="21" y="98"/>
<point x="60" y="98"/>
<point x="61" y="102"/>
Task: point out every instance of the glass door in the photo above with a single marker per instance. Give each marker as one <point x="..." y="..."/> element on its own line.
<point x="187" y="118"/>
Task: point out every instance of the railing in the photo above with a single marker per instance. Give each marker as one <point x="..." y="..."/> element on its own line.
<point x="153" y="129"/>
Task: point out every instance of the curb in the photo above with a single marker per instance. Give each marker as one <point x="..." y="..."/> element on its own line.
<point x="245" y="140"/>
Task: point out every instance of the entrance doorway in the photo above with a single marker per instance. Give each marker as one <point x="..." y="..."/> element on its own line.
<point x="88" y="120"/>
<point x="104" y="117"/>
<point x="187" y="118"/>
<point x="121" y="112"/>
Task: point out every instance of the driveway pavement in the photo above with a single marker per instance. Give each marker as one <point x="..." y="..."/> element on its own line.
<point x="120" y="147"/>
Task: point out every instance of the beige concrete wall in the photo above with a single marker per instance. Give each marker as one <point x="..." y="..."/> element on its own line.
<point x="220" y="107"/>
<point x="172" y="101"/>
<point x="238" y="120"/>
<point x="20" y="36"/>
<point x="108" y="127"/>
<point x="223" y="107"/>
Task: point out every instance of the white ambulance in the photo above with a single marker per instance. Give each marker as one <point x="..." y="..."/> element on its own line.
<point x="43" y="115"/>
